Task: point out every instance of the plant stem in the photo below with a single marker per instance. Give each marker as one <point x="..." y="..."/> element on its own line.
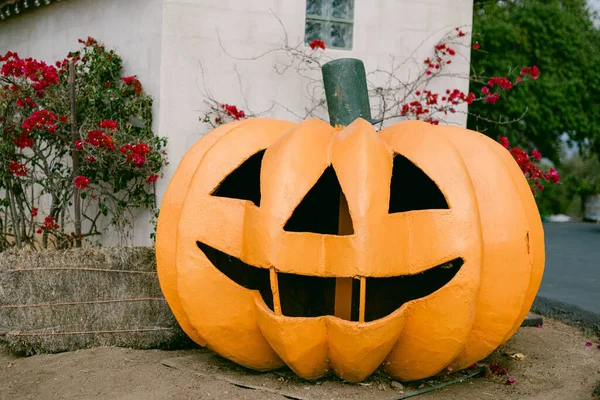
<point x="74" y="154"/>
<point x="13" y="215"/>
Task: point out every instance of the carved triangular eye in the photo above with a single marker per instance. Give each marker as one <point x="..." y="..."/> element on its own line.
<point x="244" y="182"/>
<point x="411" y="189"/>
<point x="322" y="209"/>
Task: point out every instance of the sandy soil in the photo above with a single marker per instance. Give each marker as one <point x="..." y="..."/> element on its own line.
<point x="558" y="365"/>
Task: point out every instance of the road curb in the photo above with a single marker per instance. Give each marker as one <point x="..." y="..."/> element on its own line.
<point x="587" y="321"/>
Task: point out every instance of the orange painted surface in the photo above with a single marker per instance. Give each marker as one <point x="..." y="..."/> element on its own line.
<point x="492" y="224"/>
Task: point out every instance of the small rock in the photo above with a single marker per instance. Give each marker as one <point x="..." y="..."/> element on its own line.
<point x="382" y="387"/>
<point x="396" y="385"/>
<point x="518" y="356"/>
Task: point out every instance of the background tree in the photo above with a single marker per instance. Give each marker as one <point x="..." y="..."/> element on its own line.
<point x="560" y="38"/>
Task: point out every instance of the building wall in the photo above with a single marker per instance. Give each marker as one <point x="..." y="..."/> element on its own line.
<point x="131" y="27"/>
<point x="183" y="50"/>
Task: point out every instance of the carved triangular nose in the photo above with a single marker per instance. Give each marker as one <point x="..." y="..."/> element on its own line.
<point x="323" y="209"/>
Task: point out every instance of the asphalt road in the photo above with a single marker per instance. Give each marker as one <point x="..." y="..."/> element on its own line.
<point x="572" y="273"/>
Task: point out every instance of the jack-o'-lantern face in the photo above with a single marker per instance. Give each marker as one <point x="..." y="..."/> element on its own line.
<point x="342" y="249"/>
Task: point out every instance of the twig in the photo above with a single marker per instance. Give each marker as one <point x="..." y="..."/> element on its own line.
<point x="436" y="387"/>
<point x="166" y="363"/>
<point x="79" y="269"/>
<point x="74" y="154"/>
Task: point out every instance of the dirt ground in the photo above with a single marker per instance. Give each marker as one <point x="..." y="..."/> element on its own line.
<point x="558" y="365"/>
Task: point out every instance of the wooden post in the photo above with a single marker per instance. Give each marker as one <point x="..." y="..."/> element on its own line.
<point x="347" y="96"/>
<point x="75" y="154"/>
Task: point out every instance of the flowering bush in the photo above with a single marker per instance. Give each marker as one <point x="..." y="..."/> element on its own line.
<point x="117" y="154"/>
<point x="399" y="100"/>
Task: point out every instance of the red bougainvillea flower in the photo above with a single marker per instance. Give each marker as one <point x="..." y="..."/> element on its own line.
<point x="135" y="153"/>
<point x="39" y="73"/>
<point x="34" y="212"/>
<point x="78" y="145"/>
<point x="532" y="172"/>
<point x="233" y="111"/>
<point x="16" y="168"/>
<point x="81" y="182"/>
<point x="151" y="178"/>
<point x="598" y="347"/>
<point x="552" y="175"/>
<point x="40" y="120"/>
<point x="109" y="124"/>
<point x="128" y="79"/>
<point x="589" y="344"/>
<point x="50" y="223"/>
<point x="503" y="82"/>
<point x="534" y="72"/>
<point x="96" y="138"/>
<point x="317" y="44"/>
<point x="476" y="46"/>
<point x="25" y="102"/>
<point x="90" y="41"/>
<point x="23" y="140"/>
<point x="492" y="98"/>
<point x="510" y="381"/>
<point x="133" y="81"/>
<point x="495" y="367"/>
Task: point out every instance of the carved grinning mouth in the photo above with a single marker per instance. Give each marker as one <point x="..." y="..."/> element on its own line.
<point x="313" y="296"/>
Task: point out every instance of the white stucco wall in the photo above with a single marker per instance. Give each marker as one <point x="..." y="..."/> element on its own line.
<point x="169" y="42"/>
<point x="190" y="44"/>
<point x="131" y="27"/>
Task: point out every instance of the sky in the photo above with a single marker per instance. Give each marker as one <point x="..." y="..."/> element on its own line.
<point x="595" y="5"/>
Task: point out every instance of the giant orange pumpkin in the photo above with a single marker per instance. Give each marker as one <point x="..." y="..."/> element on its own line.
<point x="418" y="247"/>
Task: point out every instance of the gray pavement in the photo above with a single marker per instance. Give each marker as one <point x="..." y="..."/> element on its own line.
<point x="572" y="273"/>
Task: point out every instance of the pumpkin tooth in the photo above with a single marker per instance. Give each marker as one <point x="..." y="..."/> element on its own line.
<point x="275" y="290"/>
<point x="362" y="299"/>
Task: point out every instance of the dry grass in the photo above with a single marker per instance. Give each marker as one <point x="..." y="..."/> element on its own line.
<point x="55" y="301"/>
